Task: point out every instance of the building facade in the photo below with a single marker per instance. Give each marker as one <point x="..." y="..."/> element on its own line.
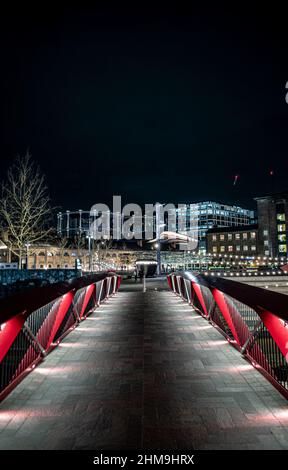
<point x="272" y="216"/>
<point x="241" y="241"/>
<point x="203" y="215"/>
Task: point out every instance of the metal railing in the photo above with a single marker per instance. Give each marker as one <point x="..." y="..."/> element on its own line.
<point x="34" y="322"/>
<point x="253" y="320"/>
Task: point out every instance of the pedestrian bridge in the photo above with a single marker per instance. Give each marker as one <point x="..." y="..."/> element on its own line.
<point x="144" y="371"/>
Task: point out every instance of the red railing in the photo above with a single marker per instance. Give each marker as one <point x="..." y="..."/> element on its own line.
<point x="34" y="322"/>
<point x="252" y="319"/>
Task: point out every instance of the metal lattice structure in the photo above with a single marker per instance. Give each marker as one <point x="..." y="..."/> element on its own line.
<point x="34" y="322"/>
<point x="253" y="320"/>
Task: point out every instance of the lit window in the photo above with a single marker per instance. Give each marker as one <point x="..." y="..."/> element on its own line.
<point x="222" y="237"/>
<point x="281" y="227"/>
<point x="230" y="248"/>
<point x="238" y="247"/>
<point x="253" y="247"/>
<point x="229" y="236"/>
<point x="214" y="238"/>
<point x="214" y="249"/>
<point x="282" y="248"/>
<point x="222" y="248"/>
<point x="253" y="235"/>
<point x="266" y="252"/>
<point x="266" y="243"/>
<point x="265" y="233"/>
<point x="244" y="236"/>
<point x="245" y="248"/>
<point x="237" y="236"/>
<point x="282" y="237"/>
<point x="281" y="217"/>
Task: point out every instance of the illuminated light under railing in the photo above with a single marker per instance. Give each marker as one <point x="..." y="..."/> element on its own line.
<point x="245" y="367"/>
<point x="84" y="328"/>
<point x="2" y="326"/>
<point x="55" y="370"/>
<point x="280" y="413"/>
<point x="72" y="345"/>
<point x="204" y="327"/>
<point x="214" y="343"/>
<point x="16" y="415"/>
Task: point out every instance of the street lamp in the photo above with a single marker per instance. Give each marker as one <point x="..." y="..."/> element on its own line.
<point x="158" y="235"/>
<point x="89" y="250"/>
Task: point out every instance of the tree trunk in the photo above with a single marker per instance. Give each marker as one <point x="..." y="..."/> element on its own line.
<point x="20" y="260"/>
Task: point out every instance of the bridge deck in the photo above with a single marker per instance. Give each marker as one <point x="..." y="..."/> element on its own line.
<point x="144" y="371"/>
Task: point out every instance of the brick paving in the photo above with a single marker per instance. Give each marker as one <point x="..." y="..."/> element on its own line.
<point x="144" y="372"/>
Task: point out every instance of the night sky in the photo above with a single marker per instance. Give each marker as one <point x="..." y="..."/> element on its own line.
<point x="152" y="105"/>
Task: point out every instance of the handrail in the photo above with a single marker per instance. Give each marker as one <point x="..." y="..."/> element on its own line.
<point x="33" y="322"/>
<point x="253" y="296"/>
<point x="32" y="299"/>
<point x="253" y="319"/>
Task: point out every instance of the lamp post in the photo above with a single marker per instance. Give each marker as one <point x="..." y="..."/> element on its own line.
<point x="89" y="250"/>
<point x="158" y="234"/>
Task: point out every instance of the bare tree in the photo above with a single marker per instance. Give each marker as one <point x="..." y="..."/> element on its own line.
<point x="24" y="206"/>
<point x="62" y="243"/>
<point x="101" y="249"/>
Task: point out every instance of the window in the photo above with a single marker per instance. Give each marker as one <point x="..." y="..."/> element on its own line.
<point x="281" y="227"/>
<point x="282" y="248"/>
<point x="282" y="237"/>
<point x="245" y="248"/>
<point x="253" y="247"/>
<point x="222" y="236"/>
<point x="266" y="252"/>
<point x="214" y="238"/>
<point x="229" y="236"/>
<point x="265" y="233"/>
<point x="237" y="236"/>
<point x="266" y="243"/>
<point x="238" y="247"/>
<point x="230" y="248"/>
<point x="222" y="248"/>
<point x="281" y="217"/>
<point x="253" y="235"/>
<point x="214" y="249"/>
<point x="244" y="235"/>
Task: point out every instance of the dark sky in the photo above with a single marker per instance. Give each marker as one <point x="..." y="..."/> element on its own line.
<point x="152" y="105"/>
